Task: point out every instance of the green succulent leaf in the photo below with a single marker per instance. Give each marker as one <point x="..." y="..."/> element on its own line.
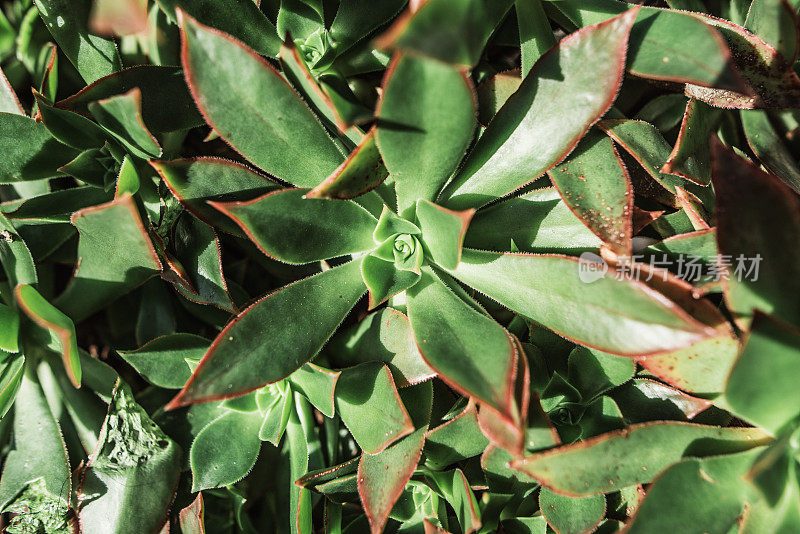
<point x="460" y="342"/>
<point x="288" y="226"/>
<point x="384" y="279"/>
<point x="368" y="403"/>
<point x="69" y="127"/>
<point x="594" y="183"/>
<point x="318" y="385"/>
<point x="121" y="116"/>
<point x="225" y="450"/>
<point x="428" y="110"/>
<point x="30" y="152"/>
<point x="572" y="515"/>
<point x="455" y="440"/>
<point x="162" y="88"/>
<point x="635" y="455"/>
<point x="265" y="350"/>
<point x="767" y="145"/>
<point x="293" y="145"/>
<point x="443" y="232"/>
<point x="93" y="56"/>
<point x="691" y="156"/>
<point x="544" y="108"/>
<point x="658" y="325"/>
<point x="15" y="256"/>
<point x="116" y="255"/>
<point x="383" y="476"/>
<point x="239" y="18"/>
<point x="163" y="361"/>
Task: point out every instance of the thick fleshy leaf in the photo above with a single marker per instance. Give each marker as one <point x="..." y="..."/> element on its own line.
<point x="198" y="250"/>
<point x="15" y="256"/>
<point x="57" y="206"/>
<point x="51" y="318"/>
<point x="468" y="349"/>
<point x="390" y="224"/>
<point x="9" y="102"/>
<point x="225" y="450"/>
<point x="757" y="215"/>
<point x="456" y="490"/>
<point x="595" y="184"/>
<point x="36" y="468"/>
<point x="426" y="120"/>
<point x="644" y="399"/>
<point x="538" y="221"/>
<point x="665" y="44"/>
<point x="163" y="361"/>
<point x="493" y="92"/>
<point x="454" y="31"/>
<point x="192" y="518"/>
<point x="691" y="156"/>
<point x="707" y="494"/>
<point x="775" y="21"/>
<point x="93" y="56"/>
<point x="455" y="440"/>
<point x="627" y="317"/>
<point x="9" y="329"/>
<point x="287" y="226"/>
<point x="368" y="403"/>
<point x="770" y="79"/>
<point x="442" y="232"/>
<point x="70" y="128"/>
<point x="163" y="88"/>
<point x="239" y="18"/>
<point x="768" y="146"/>
<point x="384" y="279"/>
<point x="317" y="384"/>
<point x="761" y="385"/>
<point x="383" y="476"/>
<point x="234" y="89"/>
<point x="132" y="453"/>
<point x="635" y="455"/>
<point x="356" y="19"/>
<point x="593" y="373"/>
<point x="700" y="368"/>
<point x="12" y="369"/>
<point x="384" y="336"/>
<point x="115" y="256"/>
<point x="194" y="182"/>
<point x="646" y="144"/>
<point x="535" y="34"/>
<point x="29" y="151"/>
<point x="572" y="515"/>
<point x="122" y="117"/>
<point x="541" y="123"/>
<point x="362" y="171"/>
<point x="275" y="336"/>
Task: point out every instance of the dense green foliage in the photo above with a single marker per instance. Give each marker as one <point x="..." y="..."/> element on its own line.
<point x="352" y="266"/>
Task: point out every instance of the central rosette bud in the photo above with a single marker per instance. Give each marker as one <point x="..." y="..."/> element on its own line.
<point x="403" y="248"/>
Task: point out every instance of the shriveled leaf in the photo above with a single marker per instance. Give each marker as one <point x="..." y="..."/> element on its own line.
<point x="132" y="453"/>
<point x="635" y="455"/>
<point x="275" y="336"/>
<point x="513" y="151"/>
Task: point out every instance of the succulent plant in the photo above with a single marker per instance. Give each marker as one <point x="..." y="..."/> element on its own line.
<point x="429" y="266"/>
